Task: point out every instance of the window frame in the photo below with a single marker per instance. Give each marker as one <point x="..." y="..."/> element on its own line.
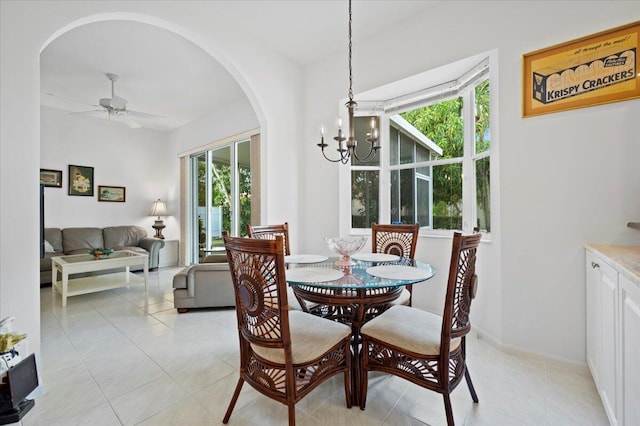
<point x="384" y="110"/>
<point x="234" y="182"/>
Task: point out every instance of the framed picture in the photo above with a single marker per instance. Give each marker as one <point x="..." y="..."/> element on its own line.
<point x="51" y="178"/>
<point x="591" y="70"/>
<point x="114" y="194"/>
<point x="81" y="181"/>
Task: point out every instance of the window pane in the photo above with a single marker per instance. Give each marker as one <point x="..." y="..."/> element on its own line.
<point x="201" y="199"/>
<point x="395" y="196"/>
<point x="220" y="209"/>
<point x="406" y="149"/>
<point x="422" y="153"/>
<point x="447" y="196"/>
<point x="442" y="123"/>
<point x="407" y="199"/>
<point x="394" y="146"/>
<point x="483" y="194"/>
<point x="423" y="215"/>
<point x="364" y="198"/>
<point x="244" y="184"/>
<point x="483" y="131"/>
<point x="362" y="132"/>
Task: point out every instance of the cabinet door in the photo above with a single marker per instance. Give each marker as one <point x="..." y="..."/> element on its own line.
<point x="607" y="360"/>
<point x="594" y="314"/>
<point x="630" y="347"/>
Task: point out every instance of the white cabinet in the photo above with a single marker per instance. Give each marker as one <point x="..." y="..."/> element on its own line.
<point x="602" y="284"/>
<point x="169" y="254"/>
<point x="613" y="334"/>
<point x="630" y="353"/>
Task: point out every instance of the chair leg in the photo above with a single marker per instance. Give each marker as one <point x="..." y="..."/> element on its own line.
<point x="232" y="404"/>
<point x="447" y="409"/>
<point x="474" y="395"/>
<point x="292" y="414"/>
<point x="347" y="388"/>
<point x="364" y="383"/>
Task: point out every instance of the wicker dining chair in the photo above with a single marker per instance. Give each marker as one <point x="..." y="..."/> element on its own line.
<point x="425" y="348"/>
<point x="400" y="240"/>
<point x="283" y="354"/>
<point x="269" y="232"/>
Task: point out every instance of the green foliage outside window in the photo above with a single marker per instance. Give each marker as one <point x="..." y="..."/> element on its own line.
<point x="443" y="124"/>
<point x="221" y="195"/>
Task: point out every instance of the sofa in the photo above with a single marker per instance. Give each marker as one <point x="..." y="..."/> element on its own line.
<point x="59" y="242"/>
<point x="204" y="285"/>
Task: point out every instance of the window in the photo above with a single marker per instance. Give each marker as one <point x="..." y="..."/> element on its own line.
<point x="437" y="164"/>
<point x="221" y="184"/>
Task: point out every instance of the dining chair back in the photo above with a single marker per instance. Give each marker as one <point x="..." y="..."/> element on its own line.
<point x="424" y="348"/>
<point x="283" y="354"/>
<point x="269" y="232"/>
<point x="400" y="240"/>
<point x="395" y="239"/>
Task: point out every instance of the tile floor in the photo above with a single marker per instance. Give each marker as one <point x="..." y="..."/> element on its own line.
<point x="125" y="357"/>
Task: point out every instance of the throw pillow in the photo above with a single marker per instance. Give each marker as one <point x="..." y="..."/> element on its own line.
<point x="48" y="248"/>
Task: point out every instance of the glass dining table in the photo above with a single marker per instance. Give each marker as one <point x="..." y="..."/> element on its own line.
<point x="353" y="294"/>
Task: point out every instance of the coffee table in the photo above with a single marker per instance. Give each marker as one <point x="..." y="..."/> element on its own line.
<point x="79" y="263"/>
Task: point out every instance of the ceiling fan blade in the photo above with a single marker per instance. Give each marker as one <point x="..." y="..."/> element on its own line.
<point x="143" y="114"/>
<point x="92" y="112"/>
<point x="72" y="99"/>
<point x="124" y="119"/>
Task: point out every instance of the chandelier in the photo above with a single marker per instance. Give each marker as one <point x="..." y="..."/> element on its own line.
<point x="347" y="146"/>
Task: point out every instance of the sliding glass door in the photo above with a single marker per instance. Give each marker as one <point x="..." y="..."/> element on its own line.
<point x="221" y="185"/>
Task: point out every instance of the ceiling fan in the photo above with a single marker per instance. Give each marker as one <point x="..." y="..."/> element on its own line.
<point x="115" y="107"/>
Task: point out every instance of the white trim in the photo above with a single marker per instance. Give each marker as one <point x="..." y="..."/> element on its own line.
<point x="225" y="141"/>
<point x="440" y="92"/>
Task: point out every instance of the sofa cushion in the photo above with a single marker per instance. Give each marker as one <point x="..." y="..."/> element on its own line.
<point x="131" y="248"/>
<point x="81" y="240"/>
<point x="54" y="237"/>
<point x="48" y="248"/>
<point x="122" y="236"/>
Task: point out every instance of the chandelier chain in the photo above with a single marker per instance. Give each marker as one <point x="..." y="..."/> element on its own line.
<point x="347" y="146"/>
<point x="350" y="68"/>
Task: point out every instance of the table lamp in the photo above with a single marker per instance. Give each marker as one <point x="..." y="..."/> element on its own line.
<point x="159" y="209"/>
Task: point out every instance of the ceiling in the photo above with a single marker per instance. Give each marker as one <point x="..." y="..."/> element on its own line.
<point x="164" y="74"/>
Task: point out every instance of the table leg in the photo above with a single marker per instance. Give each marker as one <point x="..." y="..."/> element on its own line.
<point x="54" y="278"/>
<point x="65" y="287"/>
<point x="355" y="366"/>
<point x="126" y="274"/>
<point x="146" y="275"/>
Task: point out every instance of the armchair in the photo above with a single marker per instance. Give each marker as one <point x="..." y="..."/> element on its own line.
<point x="205" y="285"/>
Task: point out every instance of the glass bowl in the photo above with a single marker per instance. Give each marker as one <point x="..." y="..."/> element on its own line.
<point x="346" y="246"/>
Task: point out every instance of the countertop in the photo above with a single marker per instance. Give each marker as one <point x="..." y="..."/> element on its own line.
<point x="626" y="259"/>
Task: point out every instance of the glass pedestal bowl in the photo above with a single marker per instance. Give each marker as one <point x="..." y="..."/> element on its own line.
<point x="346" y="246"/>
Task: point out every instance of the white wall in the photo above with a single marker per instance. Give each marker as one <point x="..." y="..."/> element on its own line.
<point x="565" y="179"/>
<point x="120" y="156"/>
<point x="271" y="82"/>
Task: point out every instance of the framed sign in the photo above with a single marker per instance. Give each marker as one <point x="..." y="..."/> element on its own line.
<point x="81" y="181"/>
<point x="51" y="178"/>
<point x="114" y="194"/>
<point x="591" y="70"/>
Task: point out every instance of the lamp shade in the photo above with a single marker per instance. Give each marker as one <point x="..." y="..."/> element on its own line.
<point x="159" y="209"/>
